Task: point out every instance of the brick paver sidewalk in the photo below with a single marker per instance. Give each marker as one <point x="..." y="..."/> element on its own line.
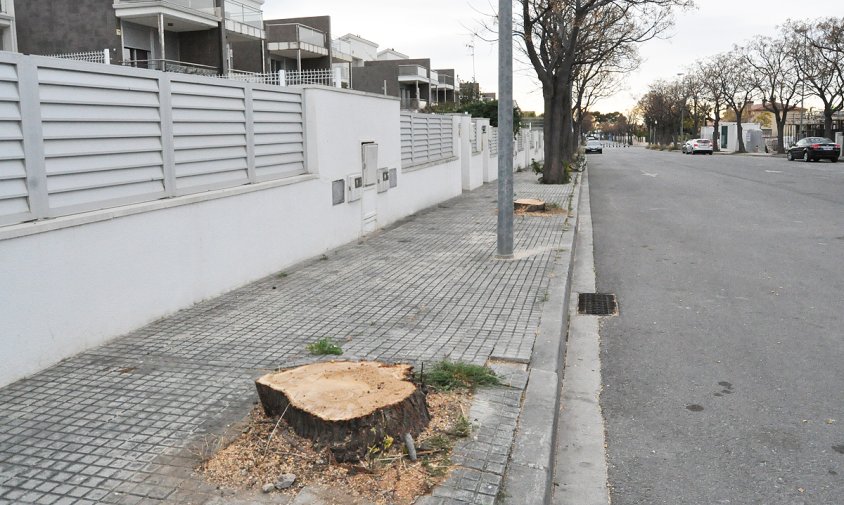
<point x="120" y="423"/>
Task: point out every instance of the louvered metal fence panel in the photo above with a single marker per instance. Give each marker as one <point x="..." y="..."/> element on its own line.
<point x="406" y="126"/>
<point x="14" y="197"/>
<point x="209" y="134"/>
<point x="493" y="140"/>
<point x="420" y="139"/>
<point x="102" y="140"/>
<point x="426" y="138"/>
<point x="279" y="133"/>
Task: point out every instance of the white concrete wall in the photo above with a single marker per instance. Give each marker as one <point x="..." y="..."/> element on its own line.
<point x="75" y="282"/>
<point x="471" y="166"/>
<point x="478" y="163"/>
<point x="839" y="139"/>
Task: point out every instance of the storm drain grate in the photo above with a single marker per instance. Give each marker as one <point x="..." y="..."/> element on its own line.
<point x="597" y="304"/>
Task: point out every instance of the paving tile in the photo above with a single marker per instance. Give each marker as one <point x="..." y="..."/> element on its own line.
<point x="427" y="289"/>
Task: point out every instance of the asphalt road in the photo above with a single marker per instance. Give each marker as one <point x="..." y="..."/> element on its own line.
<point x="724" y="372"/>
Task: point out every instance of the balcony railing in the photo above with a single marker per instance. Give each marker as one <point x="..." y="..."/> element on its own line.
<point x="207" y="6"/>
<point x="446" y="79"/>
<point x="321" y="76"/>
<point x="294" y="32"/>
<point x="3" y="8"/>
<point x="341" y="46"/>
<point x="179" y="67"/>
<point x="241" y="13"/>
<point x="413" y="71"/>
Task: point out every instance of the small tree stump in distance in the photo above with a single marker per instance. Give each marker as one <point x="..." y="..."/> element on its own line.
<point x="346" y="406"/>
<point x="529" y="205"/>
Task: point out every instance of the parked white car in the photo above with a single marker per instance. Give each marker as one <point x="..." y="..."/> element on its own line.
<point x="695" y="146"/>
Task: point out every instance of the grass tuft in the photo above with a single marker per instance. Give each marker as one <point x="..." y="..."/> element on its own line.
<point x="448" y="376"/>
<point x="325" y="346"/>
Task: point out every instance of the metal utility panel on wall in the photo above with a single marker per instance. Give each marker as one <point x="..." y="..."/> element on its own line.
<point x="354" y="187"/>
<point x="369" y="198"/>
<point x="383" y="183"/>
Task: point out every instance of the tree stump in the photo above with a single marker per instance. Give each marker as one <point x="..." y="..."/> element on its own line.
<point x="529" y="205"/>
<point x="347" y="407"/>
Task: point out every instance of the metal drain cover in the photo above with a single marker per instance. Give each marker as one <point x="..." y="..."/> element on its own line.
<point x="597" y="304"/>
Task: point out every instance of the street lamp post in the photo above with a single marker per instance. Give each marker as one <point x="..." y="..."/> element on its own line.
<point x="505" y="125"/>
<point x="682" y="108"/>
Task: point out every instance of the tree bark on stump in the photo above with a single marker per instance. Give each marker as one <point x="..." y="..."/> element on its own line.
<point x="347" y="407"/>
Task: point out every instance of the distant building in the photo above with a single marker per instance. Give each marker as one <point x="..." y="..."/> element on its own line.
<point x="8" y="36"/>
<point x="192" y="37"/>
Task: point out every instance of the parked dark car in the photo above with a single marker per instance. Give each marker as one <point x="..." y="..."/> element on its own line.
<point x="814" y="149"/>
<point x="593" y="146"/>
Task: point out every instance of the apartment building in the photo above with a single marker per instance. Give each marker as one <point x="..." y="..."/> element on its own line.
<point x="8" y="37"/>
<point x="191" y="36"/>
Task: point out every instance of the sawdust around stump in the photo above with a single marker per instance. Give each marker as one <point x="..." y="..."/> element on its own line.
<point x="548" y="212"/>
<point x="255" y="458"/>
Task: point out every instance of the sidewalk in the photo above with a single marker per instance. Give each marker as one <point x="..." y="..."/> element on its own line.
<point x="116" y="424"/>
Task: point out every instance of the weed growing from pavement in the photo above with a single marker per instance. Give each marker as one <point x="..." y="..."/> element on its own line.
<point x="324" y="346"/>
<point x="462" y="428"/>
<point x="449" y="376"/>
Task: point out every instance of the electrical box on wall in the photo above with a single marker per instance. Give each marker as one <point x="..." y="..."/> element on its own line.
<point x="370" y="162"/>
<point x="383" y="180"/>
<point x="354" y="187"/>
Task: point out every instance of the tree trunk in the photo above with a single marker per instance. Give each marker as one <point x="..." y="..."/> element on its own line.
<point x="827" y="123"/>
<point x="739" y="132"/>
<point x="555" y="170"/>
<point x="781" y="131"/>
<point x="347" y="407"/>
<point x="716" y="133"/>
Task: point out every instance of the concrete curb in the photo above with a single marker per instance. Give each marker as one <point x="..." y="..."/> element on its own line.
<point x="530" y="470"/>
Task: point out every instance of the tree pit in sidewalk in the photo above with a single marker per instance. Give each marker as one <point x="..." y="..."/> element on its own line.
<point x="536" y="207"/>
<point x="341" y="439"/>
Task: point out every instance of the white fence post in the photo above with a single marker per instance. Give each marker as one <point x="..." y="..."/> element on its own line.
<point x="168" y="150"/>
<point x="33" y="139"/>
<point x="106" y="57"/>
<point x="338" y="80"/>
<point x="282" y="78"/>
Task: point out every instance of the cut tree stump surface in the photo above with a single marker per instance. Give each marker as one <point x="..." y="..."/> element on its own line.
<point x="348" y="407"/>
<point x="529" y="205"/>
<point x="340" y="391"/>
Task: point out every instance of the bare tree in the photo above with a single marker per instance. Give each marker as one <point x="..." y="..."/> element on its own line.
<point x="558" y="36"/>
<point x="695" y="90"/>
<point x="600" y="79"/>
<point x="773" y="60"/>
<point x="660" y="108"/>
<point x="821" y="66"/>
<point x="708" y="72"/>
<point x="739" y="84"/>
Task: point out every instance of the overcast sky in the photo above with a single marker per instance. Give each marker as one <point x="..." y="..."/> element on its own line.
<point x="442" y="31"/>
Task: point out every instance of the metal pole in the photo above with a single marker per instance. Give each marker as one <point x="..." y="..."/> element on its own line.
<point x="505" y="128"/>
<point x="161" y="42"/>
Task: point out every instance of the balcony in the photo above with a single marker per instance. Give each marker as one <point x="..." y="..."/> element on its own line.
<point x="294" y="40"/>
<point x="244" y="20"/>
<point x="179" y="15"/>
<point x="4" y="9"/>
<point x="341" y="51"/>
<point x="446" y="81"/>
<point x="413" y="73"/>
